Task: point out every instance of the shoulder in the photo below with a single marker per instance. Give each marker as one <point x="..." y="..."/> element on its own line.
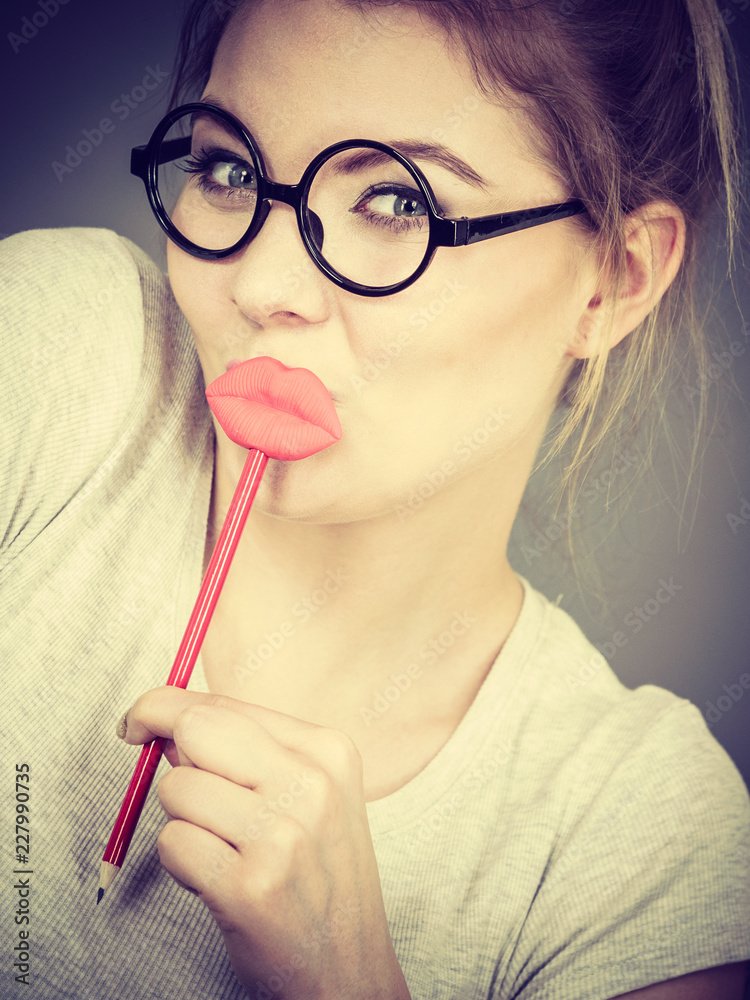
<point x="647" y="870"/>
<point x="82" y="318"/>
<point x="600" y="724"/>
<point x="78" y="272"/>
<point x="575" y="682"/>
<point x="83" y="255"/>
<point x="67" y="295"/>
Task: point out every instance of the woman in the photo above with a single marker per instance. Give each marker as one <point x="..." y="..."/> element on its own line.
<point x="390" y="785"/>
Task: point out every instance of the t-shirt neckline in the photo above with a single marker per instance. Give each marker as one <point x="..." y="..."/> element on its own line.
<point x="487" y="714"/>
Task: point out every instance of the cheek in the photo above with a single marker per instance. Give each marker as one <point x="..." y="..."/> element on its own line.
<point x="184" y="278"/>
<point x="488" y="327"/>
<point x="524" y="307"/>
<point x="199" y="290"/>
<point x="470" y="378"/>
<point x="492" y="335"/>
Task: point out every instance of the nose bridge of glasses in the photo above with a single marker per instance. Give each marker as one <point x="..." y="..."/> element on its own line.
<point x="292" y="194"/>
<point x="289" y="194"/>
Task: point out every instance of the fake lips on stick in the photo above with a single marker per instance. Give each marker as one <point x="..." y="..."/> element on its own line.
<point x="275" y="412"/>
<point x="286" y="413"/>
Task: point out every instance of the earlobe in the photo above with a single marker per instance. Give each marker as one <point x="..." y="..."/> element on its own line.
<point x="655" y="244"/>
<point x="586" y="342"/>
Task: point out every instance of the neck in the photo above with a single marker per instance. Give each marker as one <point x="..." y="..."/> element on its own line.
<point x="307" y="606"/>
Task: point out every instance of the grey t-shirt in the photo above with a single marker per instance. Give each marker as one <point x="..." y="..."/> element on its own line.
<point x="572" y="840"/>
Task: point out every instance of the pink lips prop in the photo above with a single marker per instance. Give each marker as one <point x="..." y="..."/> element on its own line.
<point x="287" y="413"/>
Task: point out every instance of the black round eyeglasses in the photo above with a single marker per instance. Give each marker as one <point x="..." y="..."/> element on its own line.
<point x="367" y="215"/>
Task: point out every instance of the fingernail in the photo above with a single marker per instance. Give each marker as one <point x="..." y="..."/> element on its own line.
<point x="122" y="726"/>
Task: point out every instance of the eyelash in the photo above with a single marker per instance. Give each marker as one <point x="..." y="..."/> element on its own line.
<point x="200" y="163"/>
<point x="397" y="223"/>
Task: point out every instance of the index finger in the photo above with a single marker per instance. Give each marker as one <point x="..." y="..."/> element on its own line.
<point x="155" y="712"/>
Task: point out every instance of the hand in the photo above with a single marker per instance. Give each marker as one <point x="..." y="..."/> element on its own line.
<point x="268" y="825"/>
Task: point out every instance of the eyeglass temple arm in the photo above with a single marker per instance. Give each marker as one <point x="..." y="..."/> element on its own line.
<point x="475" y="230"/>
<point x="172" y="149"/>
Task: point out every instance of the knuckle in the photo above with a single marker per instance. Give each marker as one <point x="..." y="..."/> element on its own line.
<point x="288" y="845"/>
<point x="324" y="784"/>
<point x="221" y="701"/>
<point x="194" y="716"/>
<point x="289" y="834"/>
<point x="142" y="705"/>
<point x="164" y="789"/>
<point x="171" y="784"/>
<point x="339" y="751"/>
<point x="261" y="890"/>
<point x="186" y="723"/>
<point x="324" y="810"/>
<point x="167" y="839"/>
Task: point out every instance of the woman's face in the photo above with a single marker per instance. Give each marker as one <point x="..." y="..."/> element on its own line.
<point x="459" y="372"/>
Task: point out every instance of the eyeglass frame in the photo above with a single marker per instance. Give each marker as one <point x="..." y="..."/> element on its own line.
<point x="443" y="232"/>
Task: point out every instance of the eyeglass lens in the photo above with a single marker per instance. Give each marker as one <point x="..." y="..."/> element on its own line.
<point x="364" y="211"/>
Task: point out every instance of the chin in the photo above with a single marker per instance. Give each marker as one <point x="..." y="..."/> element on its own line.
<point x="308" y="490"/>
<point x="289" y="492"/>
<point x="311" y="493"/>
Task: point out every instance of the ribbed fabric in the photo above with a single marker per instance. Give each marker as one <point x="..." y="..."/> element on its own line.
<point x="573" y="839"/>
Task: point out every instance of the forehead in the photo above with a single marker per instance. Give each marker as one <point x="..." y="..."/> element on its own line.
<point x="303" y="74"/>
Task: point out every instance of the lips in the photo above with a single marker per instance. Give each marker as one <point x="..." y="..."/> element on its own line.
<point x="287" y="413"/>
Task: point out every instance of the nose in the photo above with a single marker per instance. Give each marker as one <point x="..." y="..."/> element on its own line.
<point x="274" y="280"/>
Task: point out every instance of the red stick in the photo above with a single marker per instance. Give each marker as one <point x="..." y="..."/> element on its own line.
<point x="187" y="654"/>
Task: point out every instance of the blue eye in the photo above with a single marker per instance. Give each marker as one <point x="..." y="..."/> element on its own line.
<point x="219" y="171"/>
<point x="395" y="203"/>
<point x="392" y="206"/>
<point x="236" y="175"/>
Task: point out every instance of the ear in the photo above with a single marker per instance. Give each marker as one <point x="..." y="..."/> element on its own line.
<point x="655" y="244"/>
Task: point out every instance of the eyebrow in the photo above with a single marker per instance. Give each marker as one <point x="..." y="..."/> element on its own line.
<point x="442" y="156"/>
<point x="413" y="148"/>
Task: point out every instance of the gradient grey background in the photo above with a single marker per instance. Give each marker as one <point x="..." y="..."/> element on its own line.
<point x="66" y="79"/>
